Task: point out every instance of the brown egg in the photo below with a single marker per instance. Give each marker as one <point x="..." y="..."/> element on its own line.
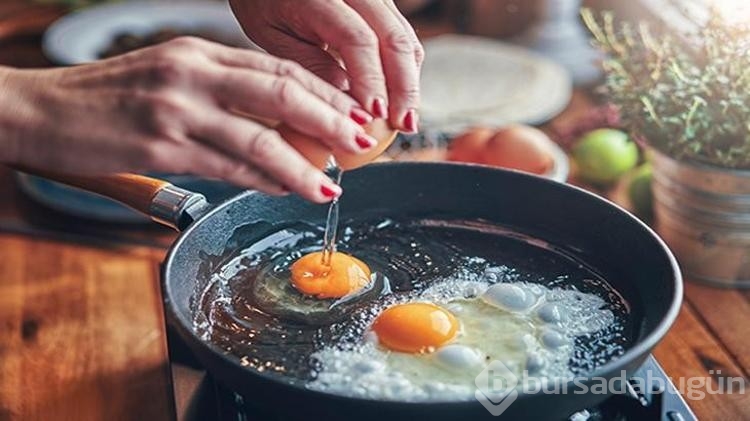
<point x="519" y="147"/>
<point x="380" y="130"/>
<point x="469" y="146"/>
<point x="317" y="153"/>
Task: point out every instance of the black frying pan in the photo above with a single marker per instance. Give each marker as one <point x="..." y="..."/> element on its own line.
<point x="621" y="248"/>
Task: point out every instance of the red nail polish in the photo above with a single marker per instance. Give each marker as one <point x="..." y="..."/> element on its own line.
<point x="364" y="142"/>
<point x="379" y="109"/>
<point x="329" y="191"/>
<point x="360" y="116"/>
<point x="411" y="120"/>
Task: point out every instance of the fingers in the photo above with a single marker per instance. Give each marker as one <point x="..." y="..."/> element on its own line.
<point x="325" y="64"/>
<point x="217" y="165"/>
<point x="284" y="98"/>
<point x="203" y="160"/>
<point x="314" y="57"/>
<point x="265" y="149"/>
<point x="380" y="51"/>
<point x="346" y="32"/>
<point x="418" y="49"/>
<point x="311" y="57"/>
<point x="397" y="50"/>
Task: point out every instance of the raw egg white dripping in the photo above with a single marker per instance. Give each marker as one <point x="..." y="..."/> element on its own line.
<point x="432" y="345"/>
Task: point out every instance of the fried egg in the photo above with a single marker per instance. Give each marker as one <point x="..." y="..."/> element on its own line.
<point x="415" y="327"/>
<point x="432" y="345"/>
<point x="341" y="276"/>
<point x="310" y="291"/>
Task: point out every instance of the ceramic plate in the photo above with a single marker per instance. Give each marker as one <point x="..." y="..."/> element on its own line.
<point x="470" y="81"/>
<point x="81" y="36"/>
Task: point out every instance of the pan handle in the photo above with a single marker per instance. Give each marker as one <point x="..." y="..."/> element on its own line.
<point x="164" y="202"/>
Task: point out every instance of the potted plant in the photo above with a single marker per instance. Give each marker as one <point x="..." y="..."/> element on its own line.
<point x="687" y="98"/>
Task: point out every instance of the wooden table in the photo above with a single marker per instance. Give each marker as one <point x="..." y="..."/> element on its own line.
<point x="82" y="335"/>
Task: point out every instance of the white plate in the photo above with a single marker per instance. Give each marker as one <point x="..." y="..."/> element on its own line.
<point x="81" y="36"/>
<point x="470" y="81"/>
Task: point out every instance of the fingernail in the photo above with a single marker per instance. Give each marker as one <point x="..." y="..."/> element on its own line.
<point x="411" y="121"/>
<point x="364" y="141"/>
<point x="360" y="116"/>
<point x="330" y="191"/>
<point x="379" y="109"/>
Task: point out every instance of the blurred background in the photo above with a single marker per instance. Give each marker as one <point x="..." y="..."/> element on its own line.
<point x="509" y="83"/>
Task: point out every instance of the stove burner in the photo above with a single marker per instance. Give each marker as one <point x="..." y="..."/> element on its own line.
<point x="198" y="397"/>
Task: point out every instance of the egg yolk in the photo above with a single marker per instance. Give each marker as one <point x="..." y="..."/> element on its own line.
<point x="344" y="275"/>
<point x="415" y="327"/>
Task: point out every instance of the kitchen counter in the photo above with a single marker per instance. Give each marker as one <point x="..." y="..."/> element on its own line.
<point x="82" y="333"/>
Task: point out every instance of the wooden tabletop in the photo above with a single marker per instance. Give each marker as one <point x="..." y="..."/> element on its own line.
<point x="82" y="334"/>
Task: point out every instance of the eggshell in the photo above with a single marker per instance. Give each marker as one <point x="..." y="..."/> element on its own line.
<point x="380" y="130"/>
<point x="317" y="152"/>
<point x="519" y="147"/>
<point x="469" y="146"/>
<point x="516" y="146"/>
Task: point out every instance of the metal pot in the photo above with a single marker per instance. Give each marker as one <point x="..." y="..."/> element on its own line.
<point x="703" y="213"/>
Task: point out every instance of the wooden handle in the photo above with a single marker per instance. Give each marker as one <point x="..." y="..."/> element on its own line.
<point x="133" y="190"/>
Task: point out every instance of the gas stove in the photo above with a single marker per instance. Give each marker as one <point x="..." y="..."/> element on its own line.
<point x="199" y="397"/>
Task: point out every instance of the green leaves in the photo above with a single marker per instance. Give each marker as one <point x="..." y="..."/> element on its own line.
<point x="689" y="99"/>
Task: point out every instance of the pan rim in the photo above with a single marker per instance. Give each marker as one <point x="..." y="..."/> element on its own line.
<point x="641" y="347"/>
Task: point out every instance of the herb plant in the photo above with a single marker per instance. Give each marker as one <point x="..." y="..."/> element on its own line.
<point x="687" y="96"/>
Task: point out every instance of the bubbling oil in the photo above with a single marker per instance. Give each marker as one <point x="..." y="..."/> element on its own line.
<point x="251" y="311"/>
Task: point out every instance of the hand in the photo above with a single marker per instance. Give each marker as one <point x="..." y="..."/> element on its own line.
<point x="170" y="108"/>
<point x="380" y="52"/>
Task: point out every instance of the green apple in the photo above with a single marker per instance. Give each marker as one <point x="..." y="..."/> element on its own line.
<point x="639" y="191"/>
<point x="604" y="155"/>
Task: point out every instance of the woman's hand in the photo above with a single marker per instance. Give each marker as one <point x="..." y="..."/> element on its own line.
<point x="380" y="52"/>
<point x="171" y="108"/>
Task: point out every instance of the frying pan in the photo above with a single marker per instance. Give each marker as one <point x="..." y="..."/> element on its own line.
<point x="622" y="249"/>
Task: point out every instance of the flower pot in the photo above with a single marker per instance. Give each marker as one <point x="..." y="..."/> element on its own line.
<point x="703" y="213"/>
